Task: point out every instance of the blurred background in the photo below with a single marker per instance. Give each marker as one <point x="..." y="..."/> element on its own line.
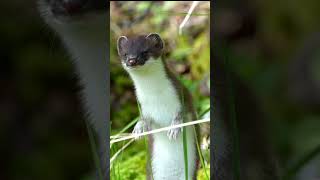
<point x="42" y="128"/>
<point x="274" y="47"/>
<point x="188" y="55"/>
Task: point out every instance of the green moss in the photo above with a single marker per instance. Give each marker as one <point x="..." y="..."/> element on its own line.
<point x="132" y="168"/>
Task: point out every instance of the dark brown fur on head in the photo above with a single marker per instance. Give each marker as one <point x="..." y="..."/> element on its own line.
<point x="139" y="49"/>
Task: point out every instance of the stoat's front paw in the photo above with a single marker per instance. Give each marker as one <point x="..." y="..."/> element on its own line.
<point x="174" y="133"/>
<point x="140" y="127"/>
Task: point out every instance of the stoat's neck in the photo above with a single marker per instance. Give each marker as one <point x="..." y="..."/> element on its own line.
<point x="151" y="77"/>
<point x="156" y="92"/>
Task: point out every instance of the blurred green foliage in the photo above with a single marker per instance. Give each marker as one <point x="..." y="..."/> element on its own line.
<point x="262" y="41"/>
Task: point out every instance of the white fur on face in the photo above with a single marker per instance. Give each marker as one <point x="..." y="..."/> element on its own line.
<point x="145" y="69"/>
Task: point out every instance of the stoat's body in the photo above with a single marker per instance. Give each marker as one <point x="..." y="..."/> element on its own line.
<point x="160" y="102"/>
<point x="82" y="27"/>
<point x="163" y="101"/>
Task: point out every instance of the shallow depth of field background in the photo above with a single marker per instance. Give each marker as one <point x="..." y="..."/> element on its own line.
<point x="188" y="55"/>
<point x="42" y="128"/>
<point x="274" y="46"/>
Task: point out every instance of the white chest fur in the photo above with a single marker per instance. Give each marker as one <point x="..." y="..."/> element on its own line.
<point x="155" y="92"/>
<point x="160" y="101"/>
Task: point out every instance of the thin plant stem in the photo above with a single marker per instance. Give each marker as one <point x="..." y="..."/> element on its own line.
<point x="200" y="153"/>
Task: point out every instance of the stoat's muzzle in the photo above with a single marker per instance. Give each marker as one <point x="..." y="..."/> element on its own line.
<point x="134" y="61"/>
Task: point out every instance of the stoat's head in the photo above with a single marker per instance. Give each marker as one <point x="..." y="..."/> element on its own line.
<point x="71" y="11"/>
<point x="138" y="51"/>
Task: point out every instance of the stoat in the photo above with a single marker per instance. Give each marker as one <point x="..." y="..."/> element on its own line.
<point x="164" y="101"/>
<point x="82" y="25"/>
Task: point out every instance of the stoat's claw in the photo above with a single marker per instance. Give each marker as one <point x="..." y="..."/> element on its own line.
<point x="140" y="127"/>
<point x="173" y="133"/>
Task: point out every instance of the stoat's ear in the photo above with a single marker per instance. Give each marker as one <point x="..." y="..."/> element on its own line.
<point x="121" y="41"/>
<point x="155" y="40"/>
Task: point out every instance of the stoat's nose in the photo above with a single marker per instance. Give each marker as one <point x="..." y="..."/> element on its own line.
<point x="132" y="62"/>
